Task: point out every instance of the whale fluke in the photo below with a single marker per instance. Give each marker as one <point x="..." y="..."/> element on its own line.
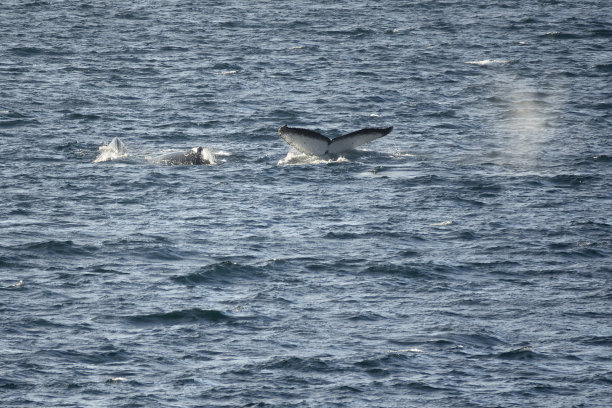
<point x="314" y="143"/>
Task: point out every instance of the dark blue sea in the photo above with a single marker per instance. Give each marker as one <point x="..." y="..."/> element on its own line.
<point x="463" y="260"/>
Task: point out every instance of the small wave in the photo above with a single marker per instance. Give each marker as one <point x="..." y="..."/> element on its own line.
<point x="9" y="118"/>
<point x="302" y="364"/>
<point x="220" y="273"/>
<point x="59" y="248"/>
<point x="382" y="365"/>
<point x="15" y="123"/>
<point x="226" y="67"/>
<point x="395" y="270"/>
<point x="82" y="116"/>
<point x="603" y="67"/>
<point x="341" y="235"/>
<point x="186" y="316"/>
<point x="104" y="356"/>
<point x="582" y="249"/>
<point x="26" y="51"/>
<point x="128" y="15"/>
<point x="523" y="353"/>
<point x="603" y="33"/>
<point x="174" y="48"/>
<point x="569" y="180"/>
<point x="458" y="341"/>
<point x="590" y="160"/>
<point x="12" y="384"/>
<point x="357" y="32"/>
<point x="365" y="317"/>
<point x="599" y="341"/>
<point x="418" y="386"/>
<point x="561" y="36"/>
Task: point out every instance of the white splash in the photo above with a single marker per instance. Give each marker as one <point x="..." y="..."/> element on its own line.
<point x="114" y="150"/>
<point x="208" y="156"/>
<point x="15" y="285"/>
<point x="488" y="62"/>
<point x="222" y="153"/>
<point x="116" y="380"/>
<point x="402" y="351"/>
<point x="294" y="158"/>
<point x="442" y="224"/>
<point x="220" y="156"/>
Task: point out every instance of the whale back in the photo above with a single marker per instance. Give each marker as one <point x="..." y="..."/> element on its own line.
<point x="193" y="156"/>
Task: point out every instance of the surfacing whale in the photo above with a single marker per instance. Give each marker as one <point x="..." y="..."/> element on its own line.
<point x="114" y="150"/>
<point x="314" y="143"/>
<point x="193" y="156"/>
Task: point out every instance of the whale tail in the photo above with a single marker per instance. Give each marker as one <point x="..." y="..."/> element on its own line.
<point x="314" y="143"/>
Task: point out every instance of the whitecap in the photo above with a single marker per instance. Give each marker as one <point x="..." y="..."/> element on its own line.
<point x="488" y="62"/>
<point x="15" y="285"/>
<point x="116" y="380"/>
<point x="410" y="350"/>
<point x="442" y="224"/>
<point x="222" y="153"/>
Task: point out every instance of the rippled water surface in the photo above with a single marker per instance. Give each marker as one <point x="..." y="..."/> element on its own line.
<point x="462" y="260"/>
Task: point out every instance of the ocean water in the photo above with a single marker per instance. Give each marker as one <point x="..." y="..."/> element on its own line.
<point x="462" y="260"/>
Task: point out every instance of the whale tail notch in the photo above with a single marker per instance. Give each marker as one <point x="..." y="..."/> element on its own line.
<point x="314" y="143"/>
